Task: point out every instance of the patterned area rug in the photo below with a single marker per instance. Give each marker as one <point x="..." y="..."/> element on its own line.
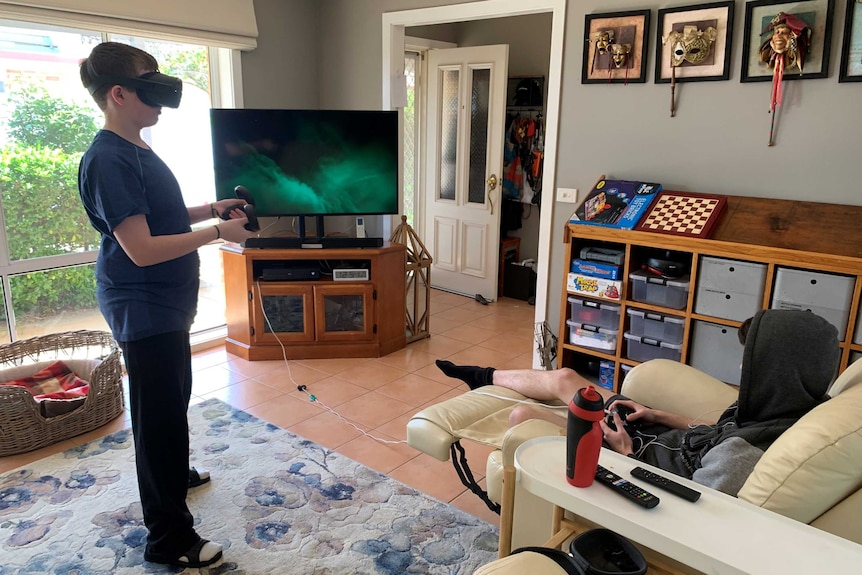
<point x="277" y="502"/>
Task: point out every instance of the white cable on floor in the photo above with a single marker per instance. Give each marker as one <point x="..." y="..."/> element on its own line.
<point x="303" y="388"/>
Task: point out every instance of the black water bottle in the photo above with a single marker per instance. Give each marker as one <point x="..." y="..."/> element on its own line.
<point x="584" y="436"/>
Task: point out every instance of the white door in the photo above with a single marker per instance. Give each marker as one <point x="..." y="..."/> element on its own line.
<point x="464" y="163"/>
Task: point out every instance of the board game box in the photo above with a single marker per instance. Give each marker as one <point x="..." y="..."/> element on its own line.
<point x="616" y="204"/>
<point x="593" y="286"/>
<point x="684" y="214"/>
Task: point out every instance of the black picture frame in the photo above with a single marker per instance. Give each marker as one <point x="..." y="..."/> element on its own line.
<point x="633" y="25"/>
<point x="670" y="19"/>
<point x="759" y="12"/>
<point x="851" y="50"/>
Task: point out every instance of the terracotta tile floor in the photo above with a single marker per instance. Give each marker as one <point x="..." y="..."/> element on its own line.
<point x="370" y="397"/>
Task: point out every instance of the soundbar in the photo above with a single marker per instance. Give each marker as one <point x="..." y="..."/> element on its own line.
<point x="313" y="243"/>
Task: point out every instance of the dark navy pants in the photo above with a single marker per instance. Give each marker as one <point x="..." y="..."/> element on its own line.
<point x="160" y="386"/>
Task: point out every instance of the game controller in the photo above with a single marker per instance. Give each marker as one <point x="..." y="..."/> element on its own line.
<point x="623" y="411"/>
<point x="248" y="208"/>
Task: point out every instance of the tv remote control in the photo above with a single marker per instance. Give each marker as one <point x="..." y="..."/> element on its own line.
<point x="666" y="484"/>
<point x="626" y="488"/>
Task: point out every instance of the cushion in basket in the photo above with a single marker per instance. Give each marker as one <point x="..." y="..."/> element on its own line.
<point x="55" y="386"/>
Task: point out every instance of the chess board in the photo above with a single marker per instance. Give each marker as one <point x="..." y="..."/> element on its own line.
<point x="684" y="214"/>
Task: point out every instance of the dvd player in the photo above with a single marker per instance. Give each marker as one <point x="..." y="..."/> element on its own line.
<point x="286" y="274"/>
<point x="312" y="243"/>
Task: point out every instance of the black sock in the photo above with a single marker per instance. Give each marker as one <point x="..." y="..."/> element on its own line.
<point x="472" y="375"/>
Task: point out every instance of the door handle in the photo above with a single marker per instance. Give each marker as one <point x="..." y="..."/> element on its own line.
<point x="492" y="185"/>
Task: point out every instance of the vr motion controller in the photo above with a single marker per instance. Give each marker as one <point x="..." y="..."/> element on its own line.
<point x="242" y="193"/>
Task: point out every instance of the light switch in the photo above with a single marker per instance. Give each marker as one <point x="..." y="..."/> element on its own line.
<point x="568" y="195"/>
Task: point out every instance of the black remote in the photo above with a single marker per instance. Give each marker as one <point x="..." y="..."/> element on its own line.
<point x="626" y="488"/>
<point x="666" y="484"/>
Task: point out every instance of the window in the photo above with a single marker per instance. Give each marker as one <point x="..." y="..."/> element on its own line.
<point x="411" y="136"/>
<point x="47" y="120"/>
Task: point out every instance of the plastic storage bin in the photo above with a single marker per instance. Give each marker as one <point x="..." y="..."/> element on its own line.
<point x="729" y="289"/>
<point x="715" y="349"/>
<point x="655" y="290"/>
<point x="593" y="337"/>
<point x="639" y="348"/>
<point x="625" y="368"/>
<point x="655" y="325"/>
<point x="606" y="315"/>
<point x="827" y="295"/>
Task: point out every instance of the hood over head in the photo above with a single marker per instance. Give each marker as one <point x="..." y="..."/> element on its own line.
<point x="790" y="359"/>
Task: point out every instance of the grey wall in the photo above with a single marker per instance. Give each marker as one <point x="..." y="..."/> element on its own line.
<point x="716" y="143"/>
<point x="284" y="70"/>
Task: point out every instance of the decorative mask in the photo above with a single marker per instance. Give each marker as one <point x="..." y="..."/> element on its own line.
<point x="691" y="45"/>
<point x="620" y="54"/>
<point x="785" y="48"/>
<point x="603" y="39"/>
<point x="790" y="39"/>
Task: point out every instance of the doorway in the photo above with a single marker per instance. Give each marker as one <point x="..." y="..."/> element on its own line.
<point x="394" y="24"/>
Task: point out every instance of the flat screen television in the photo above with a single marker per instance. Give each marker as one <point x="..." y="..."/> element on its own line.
<point x="308" y="162"/>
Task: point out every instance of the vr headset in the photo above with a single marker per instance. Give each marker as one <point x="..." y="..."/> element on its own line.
<point x="153" y="88"/>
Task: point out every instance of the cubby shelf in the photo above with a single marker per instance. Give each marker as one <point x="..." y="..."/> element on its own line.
<point x="809" y="236"/>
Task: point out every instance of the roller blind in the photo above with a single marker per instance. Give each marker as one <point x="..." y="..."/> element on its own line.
<point x="221" y="23"/>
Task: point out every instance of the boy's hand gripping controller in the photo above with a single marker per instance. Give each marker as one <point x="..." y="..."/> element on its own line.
<point x="242" y="193"/>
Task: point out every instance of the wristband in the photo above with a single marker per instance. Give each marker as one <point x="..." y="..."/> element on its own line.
<point x="213" y="211"/>
<point x="218" y="232"/>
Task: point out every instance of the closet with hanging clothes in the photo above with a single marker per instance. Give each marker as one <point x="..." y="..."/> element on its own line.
<point x="523" y="158"/>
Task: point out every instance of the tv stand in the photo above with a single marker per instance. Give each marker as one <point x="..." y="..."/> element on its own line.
<point x="333" y="242"/>
<point x="296" y="317"/>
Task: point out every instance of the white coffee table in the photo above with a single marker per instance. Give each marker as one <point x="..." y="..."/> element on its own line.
<point x="717" y="534"/>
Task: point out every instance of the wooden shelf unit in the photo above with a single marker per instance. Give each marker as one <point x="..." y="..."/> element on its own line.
<point x="802" y="235"/>
<point x="308" y="327"/>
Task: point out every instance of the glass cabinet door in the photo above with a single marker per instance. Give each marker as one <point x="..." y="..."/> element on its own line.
<point x="344" y="312"/>
<point x="284" y="313"/>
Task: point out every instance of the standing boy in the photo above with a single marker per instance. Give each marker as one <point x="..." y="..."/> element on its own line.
<point x="147" y="275"/>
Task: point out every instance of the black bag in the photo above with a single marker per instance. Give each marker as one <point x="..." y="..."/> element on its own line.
<point x="596" y="552"/>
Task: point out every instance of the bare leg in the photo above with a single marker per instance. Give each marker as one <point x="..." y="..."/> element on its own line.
<point x="560" y="384"/>
<point x="523" y="412"/>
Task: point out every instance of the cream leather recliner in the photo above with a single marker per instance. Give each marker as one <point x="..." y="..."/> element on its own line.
<point x="812" y="473"/>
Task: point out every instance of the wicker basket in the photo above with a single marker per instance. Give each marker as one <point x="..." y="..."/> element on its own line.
<point x="22" y="427"/>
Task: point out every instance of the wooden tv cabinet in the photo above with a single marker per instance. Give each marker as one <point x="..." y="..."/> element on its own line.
<point x="314" y="318"/>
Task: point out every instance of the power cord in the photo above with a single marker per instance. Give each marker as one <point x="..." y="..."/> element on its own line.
<point x="303" y="388"/>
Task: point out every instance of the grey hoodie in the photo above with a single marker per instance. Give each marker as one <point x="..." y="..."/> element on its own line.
<point x="789" y="361"/>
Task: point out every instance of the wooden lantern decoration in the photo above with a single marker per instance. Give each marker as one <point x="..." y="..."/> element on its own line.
<point x="418" y="285"/>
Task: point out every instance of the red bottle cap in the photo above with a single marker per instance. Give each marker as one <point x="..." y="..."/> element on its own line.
<point x="587" y="404"/>
<point x="590" y="394"/>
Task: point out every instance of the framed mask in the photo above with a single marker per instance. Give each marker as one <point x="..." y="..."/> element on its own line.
<point x="615" y="47"/>
<point x="693" y="43"/>
<point x="851" y="49"/>
<point x="798" y="32"/>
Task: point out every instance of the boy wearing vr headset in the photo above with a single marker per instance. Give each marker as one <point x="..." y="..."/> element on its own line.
<point x="147" y="276"/>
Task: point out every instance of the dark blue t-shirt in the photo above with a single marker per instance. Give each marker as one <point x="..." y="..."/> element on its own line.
<point x="116" y="180"/>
